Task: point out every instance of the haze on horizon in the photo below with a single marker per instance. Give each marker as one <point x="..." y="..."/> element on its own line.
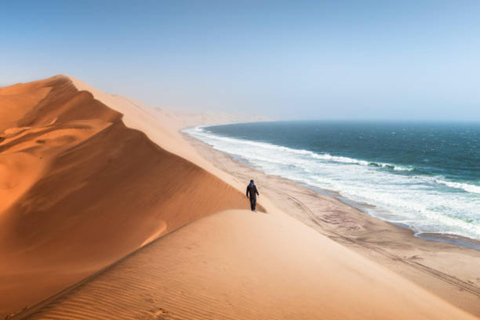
<point x="384" y="60"/>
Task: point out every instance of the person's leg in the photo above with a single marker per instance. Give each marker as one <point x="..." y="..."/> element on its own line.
<point x="252" y="204"/>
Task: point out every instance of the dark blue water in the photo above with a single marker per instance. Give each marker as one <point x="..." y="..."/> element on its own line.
<point x="451" y="150"/>
<point x="423" y="175"/>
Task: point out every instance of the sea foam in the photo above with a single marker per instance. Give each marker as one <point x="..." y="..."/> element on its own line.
<point x="398" y="194"/>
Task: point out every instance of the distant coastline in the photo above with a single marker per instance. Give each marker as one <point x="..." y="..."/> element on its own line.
<point x="366" y="208"/>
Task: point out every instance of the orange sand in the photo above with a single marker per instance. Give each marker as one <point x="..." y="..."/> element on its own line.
<point x="239" y="265"/>
<point x="79" y="190"/>
<point x="87" y="178"/>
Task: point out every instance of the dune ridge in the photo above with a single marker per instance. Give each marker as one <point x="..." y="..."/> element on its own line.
<point x="105" y="185"/>
<point x="79" y="190"/>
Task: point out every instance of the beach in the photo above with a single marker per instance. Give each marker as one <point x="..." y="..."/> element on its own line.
<point x="113" y="213"/>
<point x="448" y="270"/>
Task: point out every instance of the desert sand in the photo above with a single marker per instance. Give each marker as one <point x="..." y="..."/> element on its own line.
<point x="109" y="213"/>
<point x="80" y="190"/>
<point x="449" y="271"/>
<point x="239" y="265"/>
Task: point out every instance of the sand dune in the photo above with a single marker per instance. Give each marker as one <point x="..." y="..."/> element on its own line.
<point x="19" y="99"/>
<point x="92" y="187"/>
<point x="79" y="190"/>
<point x="239" y="265"/>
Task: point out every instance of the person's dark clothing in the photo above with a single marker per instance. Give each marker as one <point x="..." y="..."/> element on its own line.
<point x="252" y="194"/>
<point x="253" y="203"/>
<point x="252" y="191"/>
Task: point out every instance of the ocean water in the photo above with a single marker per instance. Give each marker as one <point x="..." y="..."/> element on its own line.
<point x="421" y="175"/>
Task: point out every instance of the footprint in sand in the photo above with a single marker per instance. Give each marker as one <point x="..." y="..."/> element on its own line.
<point x="160" y="314"/>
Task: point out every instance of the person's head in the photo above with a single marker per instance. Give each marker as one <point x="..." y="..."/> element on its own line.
<point x="251" y="181"/>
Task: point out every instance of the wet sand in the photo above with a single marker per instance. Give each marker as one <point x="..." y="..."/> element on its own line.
<point x="449" y="271"/>
<point x="109" y="213"/>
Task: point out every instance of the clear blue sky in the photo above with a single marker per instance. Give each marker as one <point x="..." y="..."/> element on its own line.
<point x="333" y="59"/>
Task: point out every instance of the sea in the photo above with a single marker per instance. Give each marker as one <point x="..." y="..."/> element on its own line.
<point x="423" y="176"/>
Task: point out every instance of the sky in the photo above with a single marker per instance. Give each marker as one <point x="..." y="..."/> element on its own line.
<point x="338" y="59"/>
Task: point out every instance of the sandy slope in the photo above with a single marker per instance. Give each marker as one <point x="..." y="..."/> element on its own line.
<point x="79" y="190"/>
<point x="239" y="265"/>
<point x="449" y="271"/>
<point x="162" y="127"/>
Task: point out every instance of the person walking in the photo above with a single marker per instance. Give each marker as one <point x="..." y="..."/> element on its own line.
<point x="252" y="193"/>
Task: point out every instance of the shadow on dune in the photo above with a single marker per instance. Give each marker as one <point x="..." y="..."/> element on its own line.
<point x="79" y="190"/>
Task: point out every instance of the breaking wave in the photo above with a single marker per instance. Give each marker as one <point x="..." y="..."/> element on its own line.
<point x="425" y="203"/>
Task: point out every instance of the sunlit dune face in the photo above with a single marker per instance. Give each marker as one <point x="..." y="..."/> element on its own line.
<point x="79" y="189"/>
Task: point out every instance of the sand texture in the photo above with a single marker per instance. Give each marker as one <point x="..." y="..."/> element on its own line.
<point x="239" y="265"/>
<point x="79" y="190"/>
<point x="452" y="272"/>
<point x="107" y="212"/>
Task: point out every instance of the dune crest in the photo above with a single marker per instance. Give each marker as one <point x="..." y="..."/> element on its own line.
<point x="17" y="100"/>
<point x="102" y="194"/>
<point x="79" y="189"/>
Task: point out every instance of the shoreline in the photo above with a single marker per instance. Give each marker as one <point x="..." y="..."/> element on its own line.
<point x="175" y="239"/>
<point x="446" y="269"/>
<point x="454" y="239"/>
